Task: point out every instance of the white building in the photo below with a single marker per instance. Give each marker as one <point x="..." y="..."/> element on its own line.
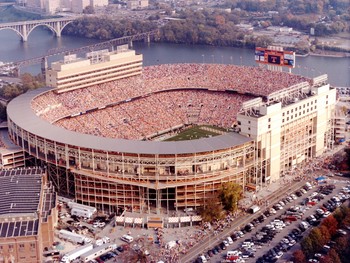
<point x="74" y="73"/>
<point x="293" y="126"/>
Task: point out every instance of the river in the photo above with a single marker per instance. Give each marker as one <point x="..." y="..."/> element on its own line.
<point x="42" y="41"/>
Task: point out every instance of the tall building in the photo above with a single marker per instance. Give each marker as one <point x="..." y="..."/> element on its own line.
<point x="98" y="67"/>
<point x="27" y="215"/>
<point x="292" y="126"/>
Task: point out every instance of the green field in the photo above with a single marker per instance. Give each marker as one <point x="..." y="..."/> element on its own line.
<point x="193" y="134"/>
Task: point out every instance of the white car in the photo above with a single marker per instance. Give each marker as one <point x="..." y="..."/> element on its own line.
<point x="226" y="243"/>
<point x="326" y="214"/>
<point x="229" y="240"/>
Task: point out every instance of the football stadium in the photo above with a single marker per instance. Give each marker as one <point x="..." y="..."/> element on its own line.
<point x="105" y="129"/>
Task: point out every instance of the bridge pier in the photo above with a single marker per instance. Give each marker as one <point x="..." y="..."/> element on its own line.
<point x="130" y="44"/>
<point x="24" y="33"/>
<point x="44" y="65"/>
<point x="147" y="39"/>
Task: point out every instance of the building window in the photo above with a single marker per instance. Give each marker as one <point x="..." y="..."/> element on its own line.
<point x="21" y="247"/>
<point x="32" y="246"/>
<point x="269" y="126"/>
<point x="249" y="122"/>
<point x="296" y="115"/>
<point x="10" y="247"/>
<point x="248" y="128"/>
<point x="269" y="119"/>
<point x="283" y="114"/>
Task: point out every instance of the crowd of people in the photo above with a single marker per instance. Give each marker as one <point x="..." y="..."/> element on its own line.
<point x="158" y="110"/>
<point x="162" y="111"/>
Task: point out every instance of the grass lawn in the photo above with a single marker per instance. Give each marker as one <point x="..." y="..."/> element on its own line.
<point x="192" y="134"/>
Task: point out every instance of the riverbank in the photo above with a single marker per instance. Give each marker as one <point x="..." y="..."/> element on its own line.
<point x="334" y="54"/>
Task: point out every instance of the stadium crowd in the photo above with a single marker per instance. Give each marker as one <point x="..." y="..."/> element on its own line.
<point x="137" y="117"/>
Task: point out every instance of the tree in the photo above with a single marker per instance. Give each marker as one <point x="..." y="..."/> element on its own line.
<point x="89" y="10"/>
<point x="211" y="210"/>
<point x="307" y="248"/>
<point x="325" y="233"/>
<point x="317" y="239"/>
<point x="331" y="223"/>
<point x="230" y="194"/>
<point x="299" y="256"/>
<point x="3" y="114"/>
<point x="334" y="256"/>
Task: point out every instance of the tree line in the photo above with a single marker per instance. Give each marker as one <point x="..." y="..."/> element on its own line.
<point x="193" y="27"/>
<point x="323" y="234"/>
<point x="10" y="91"/>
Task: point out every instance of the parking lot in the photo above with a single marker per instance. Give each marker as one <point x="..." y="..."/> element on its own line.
<point x="274" y="234"/>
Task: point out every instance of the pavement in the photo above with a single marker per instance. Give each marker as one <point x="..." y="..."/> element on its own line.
<point x="194" y="240"/>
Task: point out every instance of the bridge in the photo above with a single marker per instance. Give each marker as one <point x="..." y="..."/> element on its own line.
<point x="24" y="28"/>
<point x="110" y="44"/>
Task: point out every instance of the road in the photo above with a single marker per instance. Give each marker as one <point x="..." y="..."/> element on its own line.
<point x="212" y="240"/>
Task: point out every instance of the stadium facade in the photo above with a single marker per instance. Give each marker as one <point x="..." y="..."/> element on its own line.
<point x="275" y="132"/>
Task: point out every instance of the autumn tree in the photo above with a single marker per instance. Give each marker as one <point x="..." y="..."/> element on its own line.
<point x="331" y="223"/>
<point x="299" y="257"/>
<point x="325" y="233"/>
<point x="334" y="256"/>
<point x="230" y="194"/>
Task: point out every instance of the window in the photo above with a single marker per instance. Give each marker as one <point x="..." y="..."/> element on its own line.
<point x="21" y="247"/>
<point x="32" y="246"/>
<point x="269" y="126"/>
<point x="283" y="114"/>
<point x="269" y="119"/>
<point x="11" y="247"/>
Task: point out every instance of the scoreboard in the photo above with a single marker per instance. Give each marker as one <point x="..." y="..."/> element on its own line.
<point x="275" y="57"/>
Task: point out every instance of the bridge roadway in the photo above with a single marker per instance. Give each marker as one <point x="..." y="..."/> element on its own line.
<point x="102" y="45"/>
<point x="24" y="28"/>
<point x="210" y="241"/>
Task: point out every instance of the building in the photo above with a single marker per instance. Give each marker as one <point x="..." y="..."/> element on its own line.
<point x="283" y="120"/>
<point x="75" y="73"/>
<point x="27" y="215"/>
<point x="294" y="125"/>
<point x="137" y="4"/>
<point x="11" y="156"/>
<point x="339" y="123"/>
<point x="77" y="6"/>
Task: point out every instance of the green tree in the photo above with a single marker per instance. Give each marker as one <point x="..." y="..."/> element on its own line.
<point x="230" y="194"/>
<point x="211" y="210"/>
<point x="307" y="247"/>
<point x="3" y="115"/>
<point x="317" y="239"/>
<point x="89" y="10"/>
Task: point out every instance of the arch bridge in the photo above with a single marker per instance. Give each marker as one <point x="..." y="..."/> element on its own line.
<point x="24" y="28"/>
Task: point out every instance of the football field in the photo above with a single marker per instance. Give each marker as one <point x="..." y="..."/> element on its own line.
<point x="193" y="134"/>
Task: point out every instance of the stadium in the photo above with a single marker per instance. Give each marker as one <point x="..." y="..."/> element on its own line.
<point x="105" y="144"/>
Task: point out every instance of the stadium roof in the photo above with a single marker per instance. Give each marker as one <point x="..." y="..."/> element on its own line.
<point x="20" y="112"/>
